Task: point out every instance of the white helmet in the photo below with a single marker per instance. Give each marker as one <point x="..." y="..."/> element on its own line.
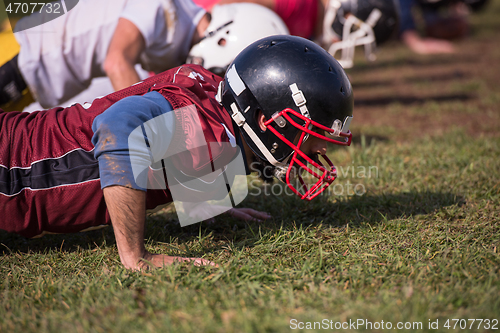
<point x="232" y="28"/>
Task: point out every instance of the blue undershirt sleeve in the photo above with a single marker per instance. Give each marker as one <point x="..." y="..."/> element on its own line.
<point x="122" y="148"/>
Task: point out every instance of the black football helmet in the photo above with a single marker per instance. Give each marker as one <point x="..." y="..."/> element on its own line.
<point x="301" y="90"/>
<point x="350" y="23"/>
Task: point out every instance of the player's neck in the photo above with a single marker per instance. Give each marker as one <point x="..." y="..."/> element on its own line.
<point x="201" y="28"/>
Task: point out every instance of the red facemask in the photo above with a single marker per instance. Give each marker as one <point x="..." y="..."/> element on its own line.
<point x="324" y="175"/>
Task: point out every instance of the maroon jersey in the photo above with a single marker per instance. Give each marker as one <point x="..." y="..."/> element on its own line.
<point x="49" y="178"/>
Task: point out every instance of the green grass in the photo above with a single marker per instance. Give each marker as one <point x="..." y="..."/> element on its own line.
<point x="420" y="244"/>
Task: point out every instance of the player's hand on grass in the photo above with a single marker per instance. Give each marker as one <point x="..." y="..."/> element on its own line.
<point x="151" y="260"/>
<point x="426" y="45"/>
<point x="249" y="214"/>
<point x="205" y="211"/>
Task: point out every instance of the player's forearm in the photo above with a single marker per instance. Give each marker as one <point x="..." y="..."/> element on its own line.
<point x="124" y="51"/>
<point x="126" y="207"/>
<point x="121" y="73"/>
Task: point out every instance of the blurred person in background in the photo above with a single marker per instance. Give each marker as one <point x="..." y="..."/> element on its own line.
<point x="59" y="58"/>
<point x="229" y="32"/>
<point x="302" y="17"/>
<point x="348" y="24"/>
<point x="336" y="25"/>
<point x="441" y="22"/>
<point x="124" y="40"/>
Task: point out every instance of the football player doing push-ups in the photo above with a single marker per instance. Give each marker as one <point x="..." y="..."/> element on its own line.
<point x="184" y="136"/>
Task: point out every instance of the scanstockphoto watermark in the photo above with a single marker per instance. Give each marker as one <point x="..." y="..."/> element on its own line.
<point x="357" y="324"/>
<point x="350" y="187"/>
<point x="369" y="325"/>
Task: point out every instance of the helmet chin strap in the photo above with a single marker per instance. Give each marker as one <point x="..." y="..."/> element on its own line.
<point x="239" y="119"/>
<point x="299" y="100"/>
<point x="281" y="168"/>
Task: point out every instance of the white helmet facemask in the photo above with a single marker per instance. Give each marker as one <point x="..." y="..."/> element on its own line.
<point x="355" y="32"/>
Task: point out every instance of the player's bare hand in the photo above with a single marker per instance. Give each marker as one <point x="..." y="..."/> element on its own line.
<point x="426" y="45"/>
<point x="249" y="214"/>
<point x="160" y="260"/>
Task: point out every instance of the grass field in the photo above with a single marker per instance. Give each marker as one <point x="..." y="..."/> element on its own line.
<point x="409" y="234"/>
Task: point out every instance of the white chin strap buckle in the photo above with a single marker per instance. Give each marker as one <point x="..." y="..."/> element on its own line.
<point x="300" y="100"/>
<point x="337" y="127"/>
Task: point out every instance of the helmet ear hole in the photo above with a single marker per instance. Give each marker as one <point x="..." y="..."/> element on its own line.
<point x="222" y="42"/>
<point x="260" y="119"/>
